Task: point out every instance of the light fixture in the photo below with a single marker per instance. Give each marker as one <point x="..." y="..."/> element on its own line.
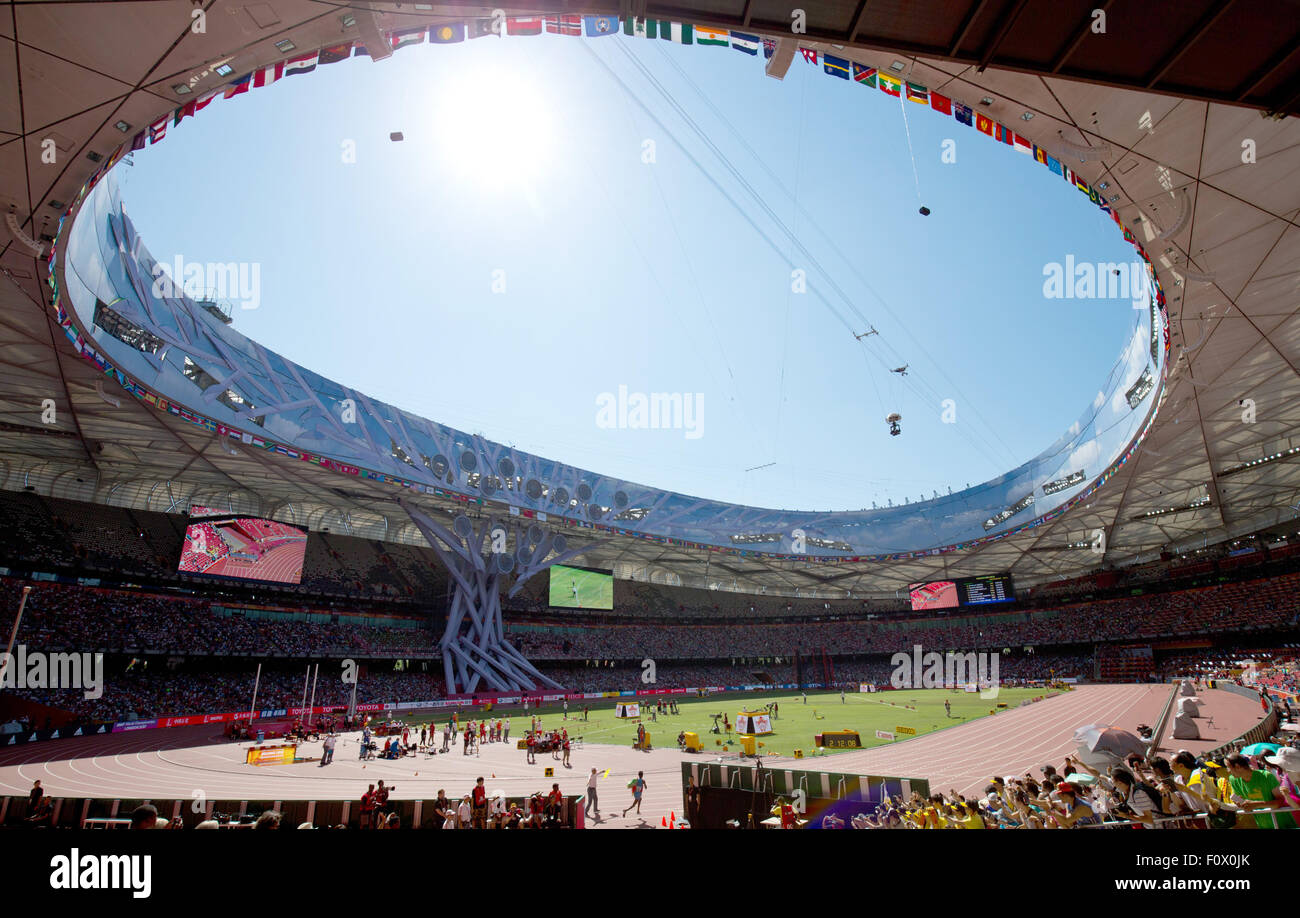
<point x="896" y="66"/>
<point x="57" y="205"/>
<point x="1285" y="454"/>
<point x="1103" y="185"/>
<point x="987" y="100"/>
<point x="122" y="126"/>
<point x="182" y="89"/>
<point x="223" y="70"/>
<point x="285" y="46"/>
<point x="1027" y="116"/>
<point x="348" y="20"/>
<point x="93" y="156"/>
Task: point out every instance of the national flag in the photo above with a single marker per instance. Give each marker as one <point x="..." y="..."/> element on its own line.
<point x="891" y="85"/>
<point x="1095" y="196"/>
<point x="633" y="27"/>
<point x="1040" y="155"/>
<point x="238" y="87"/>
<point x="335" y="53"/>
<point x="654" y="26"/>
<point x="303" y="63"/>
<point x="1055" y="165"/>
<point x="524" y="25"/>
<point x="835" y="66"/>
<point x="158" y="130"/>
<point x="189" y="108"/>
<point x="984" y="124"/>
<point x="706" y="36"/>
<point x="1081" y="184"/>
<point x="1021" y="144"/>
<point x="746" y="43"/>
<point x="809" y="55"/>
<point x="596" y="26"/>
<point x="564" y="25"/>
<point x="864" y="74"/>
<point x="481" y="27"/>
<point x="962" y="113"/>
<point x="1002" y="132"/>
<point x="681" y="32"/>
<point x="941" y="103"/>
<point x="267" y="75"/>
<point x="406" y="37"/>
<point x="918" y="94"/>
<point x="137" y="142"/>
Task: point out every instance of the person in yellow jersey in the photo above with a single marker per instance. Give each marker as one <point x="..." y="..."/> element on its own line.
<point x="972" y="818"/>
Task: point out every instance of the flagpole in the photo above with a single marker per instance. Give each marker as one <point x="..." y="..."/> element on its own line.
<point x="13" y="635"/>
<point x="252" y="709"/>
<point x="306" y="677"/>
<point x="312" y="706"/>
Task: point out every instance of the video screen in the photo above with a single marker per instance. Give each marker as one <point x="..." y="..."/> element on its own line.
<point x="242" y="547"/>
<point x="581" y="588"/>
<point x="938" y="594"/>
<point x="965" y="591"/>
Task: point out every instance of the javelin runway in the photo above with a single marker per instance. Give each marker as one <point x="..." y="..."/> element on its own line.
<point x="176" y="763"/>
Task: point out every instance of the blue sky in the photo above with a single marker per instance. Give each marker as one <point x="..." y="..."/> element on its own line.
<point x="524" y="166"/>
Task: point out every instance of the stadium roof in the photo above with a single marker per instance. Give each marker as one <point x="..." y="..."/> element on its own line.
<point x="1175" y="108"/>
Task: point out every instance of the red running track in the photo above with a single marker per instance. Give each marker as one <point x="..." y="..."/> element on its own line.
<point x="280" y="564"/>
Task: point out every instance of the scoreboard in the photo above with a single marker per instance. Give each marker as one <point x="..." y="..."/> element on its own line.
<point x="983" y="590"/>
<point x="988" y="588"/>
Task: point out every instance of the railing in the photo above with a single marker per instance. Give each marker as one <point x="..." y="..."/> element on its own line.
<point x="1203" y="819"/>
<point x="1156" y="734"/>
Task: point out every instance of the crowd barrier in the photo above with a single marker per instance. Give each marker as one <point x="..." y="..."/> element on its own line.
<point x="1200" y="820"/>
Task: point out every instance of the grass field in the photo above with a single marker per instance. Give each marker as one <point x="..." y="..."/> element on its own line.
<point x="922" y="710"/>
<point x="574" y="588"/>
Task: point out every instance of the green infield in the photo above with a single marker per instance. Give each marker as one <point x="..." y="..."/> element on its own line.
<point x="793" y="728"/>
